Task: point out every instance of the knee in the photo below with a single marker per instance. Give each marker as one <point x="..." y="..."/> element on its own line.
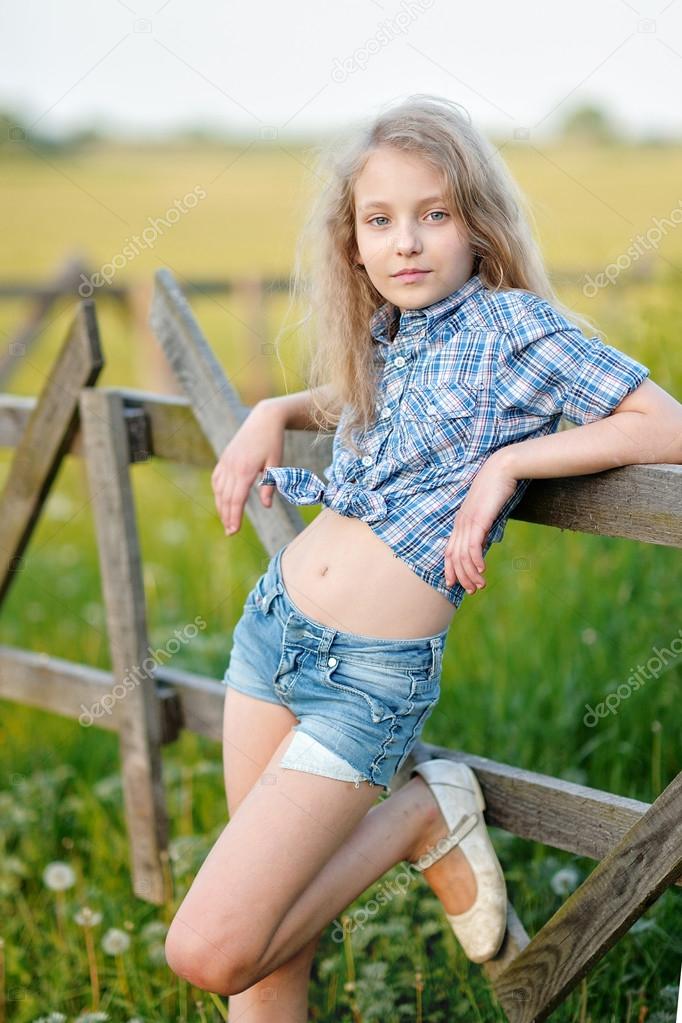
<point x="217" y="965"/>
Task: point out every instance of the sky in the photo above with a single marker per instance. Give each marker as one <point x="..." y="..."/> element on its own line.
<point x="147" y="67"/>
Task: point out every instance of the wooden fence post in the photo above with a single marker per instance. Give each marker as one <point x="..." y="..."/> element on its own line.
<point x="107" y="458"/>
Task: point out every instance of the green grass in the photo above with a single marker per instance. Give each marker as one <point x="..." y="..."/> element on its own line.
<point x="564" y="619"/>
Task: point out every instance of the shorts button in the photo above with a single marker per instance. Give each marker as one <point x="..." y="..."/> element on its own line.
<point x="331" y="662"/>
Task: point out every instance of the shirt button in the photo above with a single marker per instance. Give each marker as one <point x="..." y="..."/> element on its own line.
<point x="385" y="412"/>
<point x="331" y="662"/>
<point x="367" y="460"/>
<point x="400" y="361"/>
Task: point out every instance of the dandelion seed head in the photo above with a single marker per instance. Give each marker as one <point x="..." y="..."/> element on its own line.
<point x="154" y="930"/>
<point x="115" y="942"/>
<point x="58" y="876"/>
<point x="565" y="880"/>
<point x="87" y="917"/>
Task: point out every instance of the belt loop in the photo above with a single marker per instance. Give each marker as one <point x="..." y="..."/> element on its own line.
<point x="324" y="645"/>
<point x="436" y="655"/>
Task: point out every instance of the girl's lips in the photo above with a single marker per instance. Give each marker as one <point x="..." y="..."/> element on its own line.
<point x="412" y="275"/>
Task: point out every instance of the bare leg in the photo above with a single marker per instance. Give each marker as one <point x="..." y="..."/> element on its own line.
<point x="299" y="849"/>
<point x="252" y="730"/>
<point x="401" y="828"/>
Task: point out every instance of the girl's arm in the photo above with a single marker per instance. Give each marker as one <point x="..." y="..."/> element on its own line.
<point x="294" y="411"/>
<point x="645" y="428"/>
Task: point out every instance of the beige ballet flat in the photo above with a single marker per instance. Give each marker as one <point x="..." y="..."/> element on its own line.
<point x="480" y="929"/>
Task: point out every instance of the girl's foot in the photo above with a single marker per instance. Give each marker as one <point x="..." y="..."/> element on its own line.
<point x="451" y="877"/>
<point x="460" y="859"/>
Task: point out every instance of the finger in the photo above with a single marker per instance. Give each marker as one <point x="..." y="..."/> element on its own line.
<point x="449" y="567"/>
<point x="454" y="572"/>
<point x="462" y="565"/>
<point x="452" y="555"/>
<point x="218" y="485"/>
<point x="225" y="498"/>
<point x="266" y="494"/>
<point x="473" y="555"/>
<point x="237" y="501"/>
<point x="473" y="575"/>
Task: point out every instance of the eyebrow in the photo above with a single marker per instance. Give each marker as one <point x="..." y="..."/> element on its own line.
<point x="376" y="203"/>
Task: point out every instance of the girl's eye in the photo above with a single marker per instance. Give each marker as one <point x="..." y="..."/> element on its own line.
<point x="441" y="213"/>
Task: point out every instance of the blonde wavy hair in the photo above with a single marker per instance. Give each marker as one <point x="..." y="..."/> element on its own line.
<point x="337" y="295"/>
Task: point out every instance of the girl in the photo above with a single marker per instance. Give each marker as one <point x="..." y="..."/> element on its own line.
<point x="440" y="346"/>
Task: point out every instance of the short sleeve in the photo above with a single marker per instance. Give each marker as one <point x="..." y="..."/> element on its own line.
<point x="547" y="367"/>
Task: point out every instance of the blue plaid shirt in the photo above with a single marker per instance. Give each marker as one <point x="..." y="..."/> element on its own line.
<point x="461" y="378"/>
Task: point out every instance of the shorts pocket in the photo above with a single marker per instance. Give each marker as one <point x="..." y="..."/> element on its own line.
<point x="260" y="597"/>
<point x="289" y="669"/>
<point x="386" y="690"/>
<point x="368" y="688"/>
<point x="422" y="709"/>
<point x="435" y="423"/>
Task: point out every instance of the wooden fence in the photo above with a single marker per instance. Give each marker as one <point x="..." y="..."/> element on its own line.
<point x="638" y="845"/>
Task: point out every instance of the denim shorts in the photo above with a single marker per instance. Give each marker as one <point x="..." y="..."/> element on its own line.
<point x="361" y="702"/>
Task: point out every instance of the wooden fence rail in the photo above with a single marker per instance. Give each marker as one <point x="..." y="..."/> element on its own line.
<point x="638" y="845"/>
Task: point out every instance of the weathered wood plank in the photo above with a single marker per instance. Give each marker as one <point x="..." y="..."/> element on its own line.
<point x="215" y="403"/>
<point x="172" y="431"/>
<point x="627" y="881"/>
<point x="515" y="940"/>
<point x="77" y="691"/>
<point x="541" y="808"/>
<point x="107" y="462"/>
<point x="595" y="820"/>
<point x="45" y="441"/>
<point x="642" y="502"/>
<point x="637" y="502"/>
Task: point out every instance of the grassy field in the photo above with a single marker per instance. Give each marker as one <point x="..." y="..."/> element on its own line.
<point x="564" y="619"/>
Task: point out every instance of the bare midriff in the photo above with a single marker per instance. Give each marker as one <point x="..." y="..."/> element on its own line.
<point x="340" y="574"/>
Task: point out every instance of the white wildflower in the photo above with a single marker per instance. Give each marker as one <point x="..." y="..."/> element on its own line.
<point x="154" y="930"/>
<point x="565" y="880"/>
<point x="87" y="917"/>
<point x="115" y="942"/>
<point x="157" y="954"/>
<point x="58" y="876"/>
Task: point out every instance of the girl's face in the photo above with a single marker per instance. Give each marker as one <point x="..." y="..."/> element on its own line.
<point x="402" y="222"/>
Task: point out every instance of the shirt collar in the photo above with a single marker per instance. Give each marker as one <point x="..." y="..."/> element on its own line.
<point x="386" y="315"/>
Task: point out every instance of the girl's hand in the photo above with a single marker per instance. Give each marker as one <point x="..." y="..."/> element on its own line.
<point x="258" y="443"/>
<point x="492" y="486"/>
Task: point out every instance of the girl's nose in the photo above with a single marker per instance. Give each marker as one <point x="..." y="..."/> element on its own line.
<point x="407" y="243"/>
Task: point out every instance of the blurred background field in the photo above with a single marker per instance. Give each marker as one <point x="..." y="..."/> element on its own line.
<point x="564" y="619"/>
